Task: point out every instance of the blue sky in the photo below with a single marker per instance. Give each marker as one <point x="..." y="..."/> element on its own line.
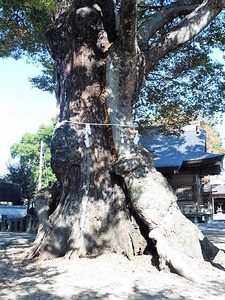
<point x="22" y="108"/>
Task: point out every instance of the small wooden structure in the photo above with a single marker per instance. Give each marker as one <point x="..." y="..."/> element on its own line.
<point x="10" y="193"/>
<point x="14" y="215"/>
<point x="183" y="160"/>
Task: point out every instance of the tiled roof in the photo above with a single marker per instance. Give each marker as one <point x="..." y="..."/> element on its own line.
<point x="173" y="152"/>
<point x="16" y="211"/>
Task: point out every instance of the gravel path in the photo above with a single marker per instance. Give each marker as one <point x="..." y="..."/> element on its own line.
<point x="109" y="276"/>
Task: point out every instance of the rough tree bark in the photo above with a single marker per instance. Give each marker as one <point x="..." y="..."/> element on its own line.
<point x="108" y="196"/>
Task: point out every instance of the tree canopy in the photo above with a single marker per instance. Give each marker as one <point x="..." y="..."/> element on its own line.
<point x="184" y="81"/>
<point x="22" y="26"/>
<point x="22" y="30"/>
<point x="189" y="81"/>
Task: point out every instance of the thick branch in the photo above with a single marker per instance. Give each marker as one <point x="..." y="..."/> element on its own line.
<point x="191" y="26"/>
<point x="162" y="17"/>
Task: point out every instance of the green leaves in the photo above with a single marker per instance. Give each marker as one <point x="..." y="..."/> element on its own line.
<point x="22" y="27"/>
<point x="27" y="157"/>
<point x="23" y="175"/>
<point x="22" y="32"/>
<point x="188" y="83"/>
<point x="46" y="81"/>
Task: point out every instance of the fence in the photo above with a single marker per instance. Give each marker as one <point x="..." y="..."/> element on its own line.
<point x="28" y="223"/>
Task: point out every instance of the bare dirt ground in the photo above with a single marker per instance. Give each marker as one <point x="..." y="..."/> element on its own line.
<point x="110" y="276"/>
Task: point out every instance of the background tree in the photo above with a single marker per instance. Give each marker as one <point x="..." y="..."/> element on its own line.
<point x="24" y="170"/>
<point x="110" y="197"/>
<point x="213" y="139"/>
<point x="23" y="175"/>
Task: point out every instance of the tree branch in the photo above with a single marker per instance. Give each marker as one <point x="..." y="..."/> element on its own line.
<point x="162" y="17"/>
<point x="191" y="26"/>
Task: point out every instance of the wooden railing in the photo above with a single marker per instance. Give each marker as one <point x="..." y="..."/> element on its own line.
<point x="25" y="224"/>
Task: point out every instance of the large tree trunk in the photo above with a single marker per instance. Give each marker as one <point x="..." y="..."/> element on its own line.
<point x="109" y="197"/>
<point x="92" y="214"/>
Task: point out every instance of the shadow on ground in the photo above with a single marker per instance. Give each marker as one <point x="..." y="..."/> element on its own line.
<point x="23" y="280"/>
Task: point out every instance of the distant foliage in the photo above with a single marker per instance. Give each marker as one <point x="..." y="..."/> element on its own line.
<point x="24" y="175"/>
<point x="213" y="139"/>
<point x="24" y="170"/>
